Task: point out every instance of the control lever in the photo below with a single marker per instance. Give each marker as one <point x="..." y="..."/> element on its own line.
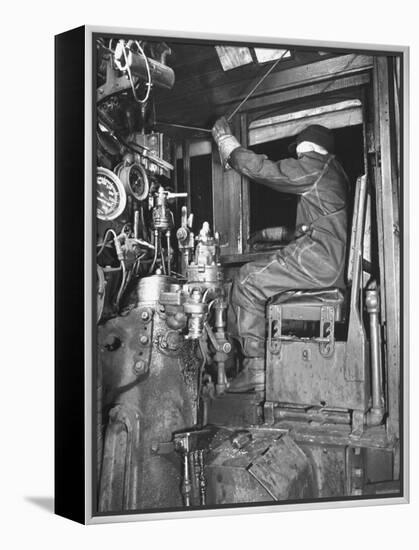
<point x="162" y="223"/>
<point x="175" y="195"/>
<point x="185" y="239"/>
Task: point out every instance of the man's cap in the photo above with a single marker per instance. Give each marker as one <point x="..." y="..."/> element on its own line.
<point x="316" y="134"/>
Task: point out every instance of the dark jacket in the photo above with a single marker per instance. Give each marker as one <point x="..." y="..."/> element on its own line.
<point x="322" y="186"/>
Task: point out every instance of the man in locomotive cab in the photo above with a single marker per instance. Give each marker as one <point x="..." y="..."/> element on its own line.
<point x="315" y="256"/>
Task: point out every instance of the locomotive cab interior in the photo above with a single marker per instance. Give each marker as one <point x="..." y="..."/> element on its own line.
<point x="174" y="226"/>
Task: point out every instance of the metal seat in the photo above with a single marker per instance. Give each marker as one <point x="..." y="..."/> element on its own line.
<point x="307" y="305"/>
<point x="315" y="368"/>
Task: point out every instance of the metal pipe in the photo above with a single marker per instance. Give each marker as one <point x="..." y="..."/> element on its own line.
<point x="196" y="470"/>
<point x="162" y="259"/>
<point x="122" y="286"/>
<point x="221" y="378"/>
<point x="136" y="223"/>
<point x="333" y="417"/>
<point x="143" y="67"/>
<point x="186" y="482"/>
<point x="222" y="346"/>
<point x="156" y="250"/>
<point x="219" y="307"/>
<point x="375" y="415"/>
<point x="255" y="87"/>
<point x="184" y="126"/>
<point x="169" y="254"/>
<point x="202" y="479"/>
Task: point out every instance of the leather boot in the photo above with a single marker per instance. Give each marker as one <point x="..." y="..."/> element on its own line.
<point x="251" y="378"/>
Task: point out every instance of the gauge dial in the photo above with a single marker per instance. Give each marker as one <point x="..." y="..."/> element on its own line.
<point x="135" y="180"/>
<point x="111" y="197"/>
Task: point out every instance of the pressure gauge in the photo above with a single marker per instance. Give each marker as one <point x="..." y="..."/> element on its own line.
<point x="135" y="180"/>
<point x="111" y="197"/>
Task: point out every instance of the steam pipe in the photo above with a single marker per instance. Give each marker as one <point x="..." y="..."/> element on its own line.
<point x="169" y="255"/>
<point x="162" y="259"/>
<point x="144" y="67"/>
<point x="136" y="223"/>
<point x="156" y="249"/>
<point x="376" y="414"/>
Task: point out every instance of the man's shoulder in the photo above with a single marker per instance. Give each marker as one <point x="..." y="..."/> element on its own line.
<point x="306" y="164"/>
<point x="314" y="158"/>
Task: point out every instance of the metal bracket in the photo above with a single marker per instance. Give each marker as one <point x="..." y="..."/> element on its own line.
<point x="326" y="338"/>
<point x="127" y="417"/>
<point x="114" y="83"/>
<point x="170" y="343"/>
<point x="358" y="421"/>
<point x="355" y="473"/>
<point x="274" y="329"/>
<point x="268" y="413"/>
<point x="327" y="331"/>
<point x="141" y="364"/>
<point x="162" y="447"/>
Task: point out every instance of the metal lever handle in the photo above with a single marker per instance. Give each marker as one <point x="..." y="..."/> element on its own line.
<point x="176" y="195"/>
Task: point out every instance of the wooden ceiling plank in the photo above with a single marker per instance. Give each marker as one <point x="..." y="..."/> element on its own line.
<point x="325" y="69"/>
<point x="199" y="112"/>
<point x="337" y="119"/>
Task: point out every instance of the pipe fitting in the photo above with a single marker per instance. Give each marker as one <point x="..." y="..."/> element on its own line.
<point x="375" y="416"/>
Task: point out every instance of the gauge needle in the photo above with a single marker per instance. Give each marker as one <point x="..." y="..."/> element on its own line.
<point x="104" y="201"/>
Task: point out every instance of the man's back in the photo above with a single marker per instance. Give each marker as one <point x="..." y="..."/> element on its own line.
<point x="322" y="186"/>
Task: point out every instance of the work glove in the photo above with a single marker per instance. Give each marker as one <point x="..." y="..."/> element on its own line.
<point x="221" y="128"/>
<point x="224" y="139"/>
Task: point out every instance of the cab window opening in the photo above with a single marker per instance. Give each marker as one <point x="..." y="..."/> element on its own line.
<point x="269" y="208"/>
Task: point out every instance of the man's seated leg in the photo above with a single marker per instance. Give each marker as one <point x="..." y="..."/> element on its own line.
<point x="248" y="324"/>
<point x="252" y="375"/>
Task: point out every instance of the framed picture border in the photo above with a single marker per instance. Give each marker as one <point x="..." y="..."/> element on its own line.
<point x="84" y="381"/>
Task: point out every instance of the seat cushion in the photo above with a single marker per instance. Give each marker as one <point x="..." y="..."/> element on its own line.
<point x="307" y="304"/>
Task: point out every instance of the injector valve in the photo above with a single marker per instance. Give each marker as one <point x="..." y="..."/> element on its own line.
<point x="197" y="310"/>
<point x="162" y="223"/>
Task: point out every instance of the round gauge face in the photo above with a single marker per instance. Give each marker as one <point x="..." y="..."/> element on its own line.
<point x="111" y="197"/>
<point x="138" y="182"/>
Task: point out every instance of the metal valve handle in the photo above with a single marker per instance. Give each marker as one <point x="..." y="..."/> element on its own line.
<point x="175" y="195"/>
